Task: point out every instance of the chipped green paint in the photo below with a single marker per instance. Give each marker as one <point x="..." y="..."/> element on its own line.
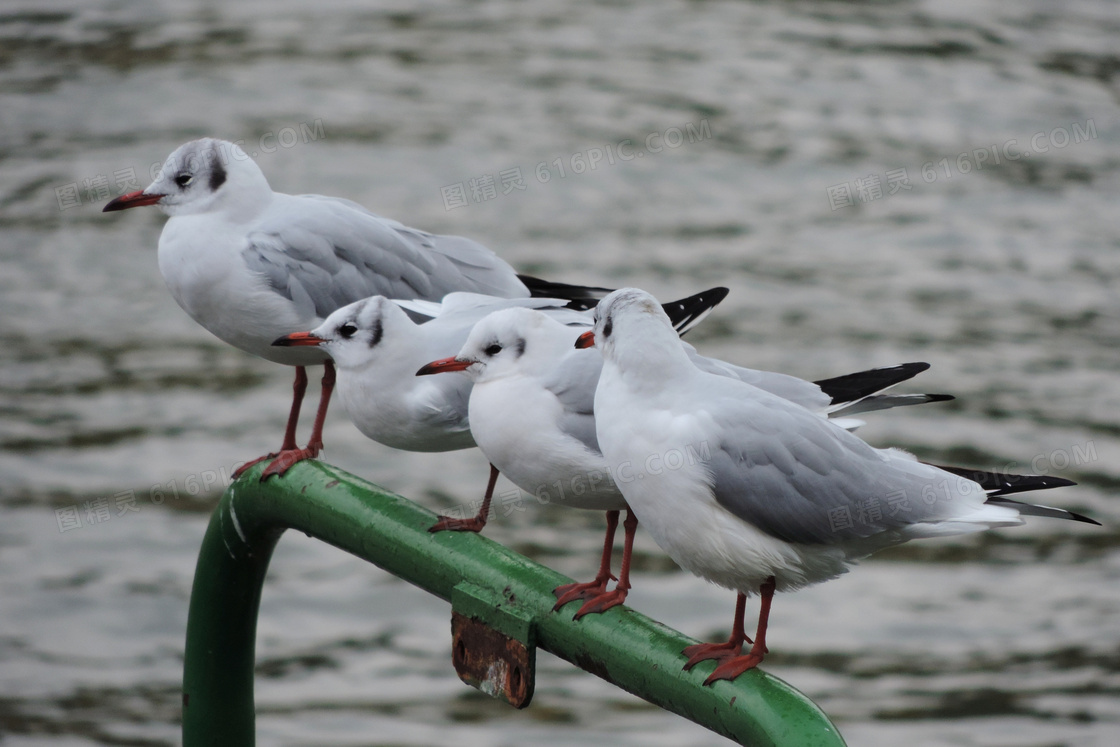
<point x="621" y="646"/>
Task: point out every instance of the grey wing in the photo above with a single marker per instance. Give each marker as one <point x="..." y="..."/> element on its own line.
<point x="805" y="393"/>
<point x="802" y="479"/>
<point x="473" y="307"/>
<point x="463" y="264"/>
<point x="573" y="384"/>
<point x="421" y="311"/>
<point x="323" y="253"/>
<point x="448" y="407"/>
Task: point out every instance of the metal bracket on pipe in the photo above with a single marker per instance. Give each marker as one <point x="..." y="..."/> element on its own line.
<point x="492" y="643"/>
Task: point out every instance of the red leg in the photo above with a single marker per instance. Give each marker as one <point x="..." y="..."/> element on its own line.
<point x="721" y="651"/>
<point x="289" y="454"/>
<point x="476" y="522"/>
<point x="316" y="441"/>
<point x="605" y="601"/>
<point x="732" y="668"/>
<point x="299" y="388"/>
<point x="570" y="592"/>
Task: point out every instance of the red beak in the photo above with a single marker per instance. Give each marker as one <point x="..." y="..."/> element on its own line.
<point x="297" y="339"/>
<point x="443" y="365"/>
<point x="131" y="200"/>
<point x="586" y="340"/>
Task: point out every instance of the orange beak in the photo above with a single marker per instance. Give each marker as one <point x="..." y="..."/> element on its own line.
<point x="443" y="365"/>
<point x="131" y="200"/>
<point x="297" y="339"/>
<point x="586" y="340"/>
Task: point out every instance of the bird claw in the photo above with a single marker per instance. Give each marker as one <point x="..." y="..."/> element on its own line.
<point x="452" y="524"/>
<point x="248" y="465"/>
<point x="571" y="592"/>
<point x="735" y="666"/>
<point x="601" y="603"/>
<point x="285" y="459"/>
<point x="719" y="651"/>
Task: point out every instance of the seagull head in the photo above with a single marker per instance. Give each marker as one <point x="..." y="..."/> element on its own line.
<point x="621" y="315"/>
<point x="356" y="335"/>
<point x="202" y="176"/>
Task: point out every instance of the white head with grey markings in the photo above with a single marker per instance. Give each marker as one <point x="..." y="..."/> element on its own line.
<point x="203" y="176"/>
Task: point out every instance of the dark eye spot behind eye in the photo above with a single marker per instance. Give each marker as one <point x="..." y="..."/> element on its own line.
<point x="217" y="174"/>
<point x="346" y="331"/>
<point x="377" y="332"/>
<point x="493" y="349"/>
<point x="607" y="329"/>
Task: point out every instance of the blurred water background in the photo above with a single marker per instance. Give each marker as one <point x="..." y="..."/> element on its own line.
<point x="876" y="182"/>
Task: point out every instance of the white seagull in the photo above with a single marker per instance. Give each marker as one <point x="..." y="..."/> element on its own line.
<point x="250" y="264"/>
<point x="774" y="497"/>
<point x="531" y="413"/>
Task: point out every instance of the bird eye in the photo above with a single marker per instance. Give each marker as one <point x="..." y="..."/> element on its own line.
<point x="184" y="179"/>
<point x="346" y="331"/>
<point x="493" y="349"/>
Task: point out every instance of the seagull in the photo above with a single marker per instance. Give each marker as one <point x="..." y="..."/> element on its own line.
<point x="531" y="413"/>
<point x="250" y="264"/>
<point x="755" y="494"/>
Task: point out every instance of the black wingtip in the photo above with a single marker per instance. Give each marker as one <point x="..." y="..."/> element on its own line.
<point x="1001" y="483"/>
<point x="716" y="295"/>
<point x="855" y="386"/>
<point x="1083" y="518"/>
<point x="687" y="312"/>
<point x="580" y="297"/>
<point x="1048" y="512"/>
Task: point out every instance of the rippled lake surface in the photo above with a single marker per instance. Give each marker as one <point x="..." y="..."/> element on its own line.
<point x="876" y="183"/>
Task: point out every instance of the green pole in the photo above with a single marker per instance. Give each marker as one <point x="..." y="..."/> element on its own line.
<point x="481" y="578"/>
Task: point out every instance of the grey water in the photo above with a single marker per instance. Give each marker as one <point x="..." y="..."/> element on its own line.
<point x="876" y="182"/>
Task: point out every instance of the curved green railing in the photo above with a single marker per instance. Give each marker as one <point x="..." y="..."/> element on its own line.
<point x="488" y="585"/>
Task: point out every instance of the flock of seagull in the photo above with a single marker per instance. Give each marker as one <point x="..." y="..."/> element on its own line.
<point x="750" y="479"/>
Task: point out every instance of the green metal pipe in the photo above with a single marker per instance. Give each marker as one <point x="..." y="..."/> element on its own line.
<point x="510" y="592"/>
